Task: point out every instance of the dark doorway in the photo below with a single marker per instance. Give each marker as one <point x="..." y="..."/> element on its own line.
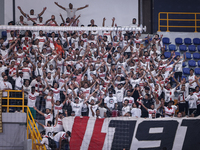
<point x="145" y="14"/>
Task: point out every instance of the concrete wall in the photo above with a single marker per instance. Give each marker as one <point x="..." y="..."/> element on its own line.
<point x="14" y="131"/>
<point x="123" y="10"/>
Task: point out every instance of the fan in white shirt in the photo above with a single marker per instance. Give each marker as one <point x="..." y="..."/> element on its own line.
<point x="192" y="80"/>
<point x="70" y="11"/>
<point x="110" y="101"/>
<point x="197" y="93"/>
<point x="44" y="141"/>
<point x="169" y="92"/>
<point x="192" y="102"/>
<point x="49" y="129"/>
<point x="58" y="107"/>
<point x="76" y="106"/>
<point x="93" y="107"/>
<point x="62" y="136"/>
<point x="4" y="52"/>
<point x="126" y="107"/>
<point x="129" y="98"/>
<point x="136" y="112"/>
<point x="19" y="81"/>
<point x="32" y="15"/>
<point x="48" y="114"/>
<point x="169" y="110"/>
<point x="2" y="68"/>
<point x="5" y="85"/>
<point x="32" y="97"/>
<point x="135" y="81"/>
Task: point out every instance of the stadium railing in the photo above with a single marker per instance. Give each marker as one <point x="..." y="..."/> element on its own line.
<point x="171" y="17"/>
<point x="32" y="129"/>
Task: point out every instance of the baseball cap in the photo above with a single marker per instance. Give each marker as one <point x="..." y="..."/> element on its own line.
<point x="110" y="92"/>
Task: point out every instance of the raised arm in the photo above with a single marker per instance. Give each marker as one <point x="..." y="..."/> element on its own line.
<point x="103" y="24"/>
<point x="38" y="111"/>
<point x="62" y="18"/>
<point x="39" y="123"/>
<point x="40" y="14"/>
<point x="143" y="106"/>
<point x="82" y="7"/>
<point x="30" y="18"/>
<point x="24" y="14"/>
<point x="59" y="5"/>
<point x="113" y="21"/>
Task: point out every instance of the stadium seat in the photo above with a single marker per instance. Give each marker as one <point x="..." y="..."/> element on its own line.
<point x="187" y="41"/>
<point x="165" y="47"/>
<point x="167" y="54"/>
<point x="198" y="48"/>
<point x="196" y="41"/>
<point x="192" y="63"/>
<point x="146" y="41"/>
<point x="172" y="47"/>
<point x="184" y="77"/>
<point x="3" y="34"/>
<point x="192" y="48"/>
<point x="188" y="55"/>
<point x="186" y="71"/>
<point x="177" y="54"/>
<point x="196" y="56"/>
<point x="197" y="71"/>
<point x="183" y="64"/>
<point x="198" y="63"/>
<point x="183" y="48"/>
<point x="178" y="41"/>
<point x="166" y="40"/>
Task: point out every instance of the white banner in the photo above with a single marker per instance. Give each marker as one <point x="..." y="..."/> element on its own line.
<point x="130" y="133"/>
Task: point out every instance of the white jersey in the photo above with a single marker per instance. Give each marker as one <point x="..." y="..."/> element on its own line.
<point x="169" y="94"/>
<point x="136" y="112"/>
<point x="32" y="99"/>
<point x="77" y="108"/>
<point x="191" y="79"/>
<point x="45" y="141"/>
<point x="70" y="12"/>
<point x="178" y="66"/>
<point x="56" y="93"/>
<point x="48" y="102"/>
<point x="48" y="117"/>
<point x="94" y="108"/>
<point x="26" y="73"/>
<point x="49" y="131"/>
<point x="198" y="95"/>
<point x="130" y="99"/>
<point x="119" y="94"/>
<point x="134" y="82"/>
<point x="61" y="135"/>
<point x="192" y="101"/>
<point x="33" y="17"/>
<point x="110" y="101"/>
<point x="58" y="108"/>
<point x="125" y="109"/>
<point x="169" y="111"/>
<point x="59" y="126"/>
<point x="151" y="111"/>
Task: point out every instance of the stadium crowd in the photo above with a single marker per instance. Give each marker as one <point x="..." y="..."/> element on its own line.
<point x="95" y="73"/>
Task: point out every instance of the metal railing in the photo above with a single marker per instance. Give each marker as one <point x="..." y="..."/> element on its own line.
<point x="32" y="129"/>
<point x="168" y="19"/>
